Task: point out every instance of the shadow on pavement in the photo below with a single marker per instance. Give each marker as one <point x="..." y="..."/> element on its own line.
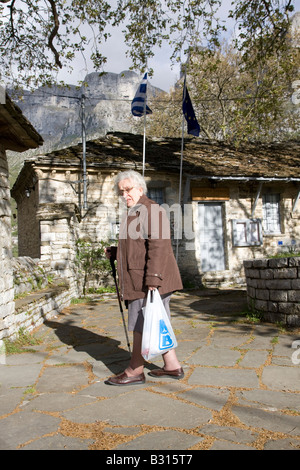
<point x="100" y="348"/>
<point x="211" y="304"/>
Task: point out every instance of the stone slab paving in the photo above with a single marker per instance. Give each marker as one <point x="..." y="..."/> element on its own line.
<point x="241" y="389"/>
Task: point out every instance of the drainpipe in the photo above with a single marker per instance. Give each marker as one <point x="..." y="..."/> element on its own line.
<point x="85" y="205"/>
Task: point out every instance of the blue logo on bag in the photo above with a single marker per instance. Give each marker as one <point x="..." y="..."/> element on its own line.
<point x="165" y="340"/>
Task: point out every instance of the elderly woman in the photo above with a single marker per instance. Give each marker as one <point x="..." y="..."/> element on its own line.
<point x="145" y="261"/>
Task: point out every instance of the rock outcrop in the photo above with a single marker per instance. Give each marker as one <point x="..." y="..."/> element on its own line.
<point x="56" y="112"/>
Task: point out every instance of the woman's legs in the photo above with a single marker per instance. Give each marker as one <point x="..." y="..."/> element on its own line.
<point x="136" y="365"/>
<point x="136" y="320"/>
<point x="133" y="374"/>
<point x="170" y="360"/>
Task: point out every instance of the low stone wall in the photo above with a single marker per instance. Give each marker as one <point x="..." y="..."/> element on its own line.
<point x="36" y="307"/>
<point x="28" y="275"/>
<point x="39" y="294"/>
<point x="273" y="289"/>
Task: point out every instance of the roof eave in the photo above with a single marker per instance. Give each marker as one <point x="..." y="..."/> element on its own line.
<point x="16" y="132"/>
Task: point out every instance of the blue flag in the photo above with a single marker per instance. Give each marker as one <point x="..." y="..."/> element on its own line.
<point x="139" y="102"/>
<point x="189" y="114"/>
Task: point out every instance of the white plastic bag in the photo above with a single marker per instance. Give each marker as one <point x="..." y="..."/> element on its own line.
<point x="158" y="335"/>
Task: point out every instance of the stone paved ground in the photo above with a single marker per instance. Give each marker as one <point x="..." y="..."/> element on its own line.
<point x="241" y="389"/>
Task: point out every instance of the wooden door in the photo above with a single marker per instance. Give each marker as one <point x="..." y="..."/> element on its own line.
<point x="211" y="237"/>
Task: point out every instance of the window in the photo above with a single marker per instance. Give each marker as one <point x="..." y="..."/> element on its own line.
<point x="271" y="214"/>
<point x="156" y="194"/>
<point x="247" y="232"/>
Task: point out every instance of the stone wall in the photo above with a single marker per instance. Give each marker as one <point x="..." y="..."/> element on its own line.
<point x="28" y="275"/>
<point x="38" y="296"/>
<point x="6" y="274"/>
<point x="59" y="232"/>
<point x="36" y="307"/>
<point x="34" y="290"/>
<point x="273" y="289"/>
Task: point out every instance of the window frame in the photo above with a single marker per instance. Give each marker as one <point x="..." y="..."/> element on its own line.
<point x="247" y="225"/>
<point x="271" y="213"/>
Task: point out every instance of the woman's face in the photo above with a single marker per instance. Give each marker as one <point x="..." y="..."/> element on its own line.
<point x="129" y="192"/>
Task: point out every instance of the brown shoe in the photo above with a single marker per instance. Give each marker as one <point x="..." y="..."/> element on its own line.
<point x="175" y="374"/>
<point x="124" y="379"/>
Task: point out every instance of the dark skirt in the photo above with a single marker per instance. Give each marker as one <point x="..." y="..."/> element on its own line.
<point x="135" y="312"/>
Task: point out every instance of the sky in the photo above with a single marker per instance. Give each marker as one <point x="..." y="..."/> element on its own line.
<point x="165" y="75"/>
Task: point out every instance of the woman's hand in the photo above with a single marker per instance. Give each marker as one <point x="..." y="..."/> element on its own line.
<point x="152" y="288"/>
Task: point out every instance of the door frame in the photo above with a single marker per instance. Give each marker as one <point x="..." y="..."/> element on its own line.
<point x="198" y="233"/>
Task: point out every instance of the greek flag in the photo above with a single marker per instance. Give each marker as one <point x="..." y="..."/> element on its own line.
<point x="189" y="114"/>
<point x="139" y="102"/>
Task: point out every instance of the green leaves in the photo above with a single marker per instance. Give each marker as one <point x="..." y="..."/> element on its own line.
<point x="39" y="37"/>
<point x="263" y="27"/>
<point x="232" y="102"/>
<point x="91" y="260"/>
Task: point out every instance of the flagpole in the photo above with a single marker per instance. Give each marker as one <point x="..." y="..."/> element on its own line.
<point x="139" y="108"/>
<point x="144" y="143"/>
<point x="181" y="159"/>
<point x="145" y="114"/>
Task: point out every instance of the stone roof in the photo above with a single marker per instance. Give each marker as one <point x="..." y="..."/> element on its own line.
<point x="16" y="132"/>
<point x="118" y="151"/>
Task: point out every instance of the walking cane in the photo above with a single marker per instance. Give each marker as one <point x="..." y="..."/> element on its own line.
<point x="119" y="299"/>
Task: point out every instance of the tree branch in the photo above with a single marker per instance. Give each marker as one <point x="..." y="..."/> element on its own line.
<point x="54" y="33"/>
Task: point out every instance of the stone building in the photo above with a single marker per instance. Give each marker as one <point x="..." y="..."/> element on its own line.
<point x="17" y="134"/>
<point x="236" y="203"/>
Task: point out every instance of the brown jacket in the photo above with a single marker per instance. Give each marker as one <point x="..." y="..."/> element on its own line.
<point x="144" y="255"/>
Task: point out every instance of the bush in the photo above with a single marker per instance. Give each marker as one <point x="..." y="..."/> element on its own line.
<point x="91" y="260"/>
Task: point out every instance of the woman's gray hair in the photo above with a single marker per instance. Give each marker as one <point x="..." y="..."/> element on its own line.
<point x="136" y="179"/>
